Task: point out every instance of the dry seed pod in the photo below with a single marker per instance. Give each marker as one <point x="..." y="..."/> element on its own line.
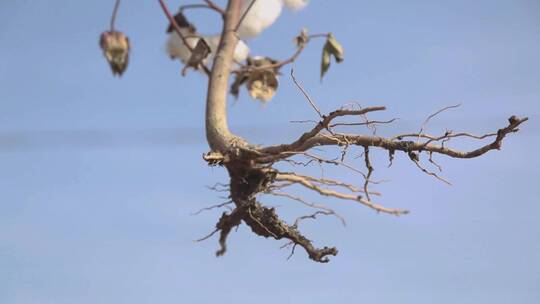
<point x="115" y="47"/>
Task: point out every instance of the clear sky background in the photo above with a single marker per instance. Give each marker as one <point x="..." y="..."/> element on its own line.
<point x="99" y="176"/>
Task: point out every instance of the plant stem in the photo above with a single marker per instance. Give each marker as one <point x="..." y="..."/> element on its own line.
<point x="113" y="17"/>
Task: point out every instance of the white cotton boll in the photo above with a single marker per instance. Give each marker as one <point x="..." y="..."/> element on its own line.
<point x="295" y="5"/>
<point x="261" y="15"/>
<point x="177" y="49"/>
<point x="241" y="51"/>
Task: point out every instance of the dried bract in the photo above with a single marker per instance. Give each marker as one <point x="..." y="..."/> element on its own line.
<point x="199" y="53"/>
<point x="182" y="23"/>
<point x="262" y="85"/>
<point x="302" y="38"/>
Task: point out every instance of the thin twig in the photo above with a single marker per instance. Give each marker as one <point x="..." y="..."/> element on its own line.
<point x="447" y="134"/>
<point x="433" y="162"/>
<point x="433" y="115"/>
<point x="306" y="94"/>
<point x="219" y="188"/>
<point x="292" y="251"/>
<point x="335" y="162"/>
<point x="277" y="65"/>
<point x="212" y="207"/>
<point x="417" y="163"/>
<point x="312" y="205"/>
<point x="213" y="7"/>
<point x="367" y="122"/>
<point x="208" y="236"/>
<point x="114" y="13"/>
<point x="332" y="182"/>
<point x="244" y="15"/>
<point x="370" y="171"/>
<point x="311" y="216"/>
<point x="303" y="121"/>
<point x="286" y="245"/>
<point x="335" y="194"/>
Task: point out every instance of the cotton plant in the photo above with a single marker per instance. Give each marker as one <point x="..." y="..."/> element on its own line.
<point x="278" y="170"/>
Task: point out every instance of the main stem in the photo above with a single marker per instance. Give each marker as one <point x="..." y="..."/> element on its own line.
<point x="217" y="130"/>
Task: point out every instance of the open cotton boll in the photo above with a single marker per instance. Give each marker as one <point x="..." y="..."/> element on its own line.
<point x="296" y="5"/>
<point x="178" y="50"/>
<point x="241" y="51"/>
<point x="261" y="15"/>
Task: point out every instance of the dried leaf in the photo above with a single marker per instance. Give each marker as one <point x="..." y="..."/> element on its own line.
<point x="331" y="48"/>
<point x="325" y="63"/>
<point x="262" y="84"/>
<point x="115" y="47"/>
<point x="335" y="48"/>
<point x="200" y="52"/>
<point x="182" y="23"/>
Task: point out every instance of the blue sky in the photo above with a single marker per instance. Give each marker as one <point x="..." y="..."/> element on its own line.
<point x="99" y="176"/>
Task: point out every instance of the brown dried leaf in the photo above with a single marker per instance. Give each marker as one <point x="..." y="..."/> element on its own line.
<point x="200" y="52"/>
<point x="182" y="23"/>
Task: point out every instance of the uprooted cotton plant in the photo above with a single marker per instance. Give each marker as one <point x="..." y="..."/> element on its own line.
<point x="253" y="169"/>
